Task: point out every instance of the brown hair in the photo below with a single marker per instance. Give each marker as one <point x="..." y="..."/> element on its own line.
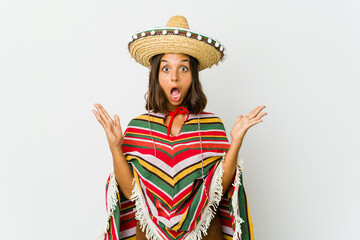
<point x="195" y="100"/>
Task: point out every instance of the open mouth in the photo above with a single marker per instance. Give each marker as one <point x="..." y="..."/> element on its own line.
<point x="175" y="94"/>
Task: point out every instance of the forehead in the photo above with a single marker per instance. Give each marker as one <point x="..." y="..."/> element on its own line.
<point x="175" y="58"/>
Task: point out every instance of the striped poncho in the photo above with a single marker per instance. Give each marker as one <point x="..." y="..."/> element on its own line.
<point x="169" y="196"/>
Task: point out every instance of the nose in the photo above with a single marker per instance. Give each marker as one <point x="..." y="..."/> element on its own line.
<point x="174" y="76"/>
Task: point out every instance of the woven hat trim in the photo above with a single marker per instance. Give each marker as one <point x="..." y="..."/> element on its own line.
<point x="180" y="32"/>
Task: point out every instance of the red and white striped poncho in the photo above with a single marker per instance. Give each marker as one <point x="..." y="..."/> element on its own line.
<point x="169" y="196"/>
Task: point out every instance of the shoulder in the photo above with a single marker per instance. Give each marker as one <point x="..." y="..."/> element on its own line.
<point x="208" y="120"/>
<point x="206" y="117"/>
<point x="145" y="117"/>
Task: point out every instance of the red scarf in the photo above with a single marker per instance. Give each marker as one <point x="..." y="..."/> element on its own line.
<point x="178" y="110"/>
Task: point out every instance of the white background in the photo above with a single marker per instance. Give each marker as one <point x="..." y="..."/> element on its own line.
<point x="298" y="58"/>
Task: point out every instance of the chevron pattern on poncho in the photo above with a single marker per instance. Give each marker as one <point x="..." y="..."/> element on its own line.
<point x="169" y="196"/>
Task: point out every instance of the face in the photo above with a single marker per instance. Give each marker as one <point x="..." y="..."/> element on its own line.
<point x="175" y="78"/>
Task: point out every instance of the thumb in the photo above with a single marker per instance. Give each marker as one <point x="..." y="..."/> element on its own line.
<point x="117" y="120"/>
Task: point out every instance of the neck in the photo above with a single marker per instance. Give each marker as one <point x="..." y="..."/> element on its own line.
<point x="172" y="107"/>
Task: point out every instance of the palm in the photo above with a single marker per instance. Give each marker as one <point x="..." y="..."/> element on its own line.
<point x="114" y="134"/>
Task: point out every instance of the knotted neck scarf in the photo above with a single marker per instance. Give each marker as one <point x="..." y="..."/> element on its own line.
<point x="178" y="110"/>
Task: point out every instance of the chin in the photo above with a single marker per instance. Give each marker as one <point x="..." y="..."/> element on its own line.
<point x="176" y="104"/>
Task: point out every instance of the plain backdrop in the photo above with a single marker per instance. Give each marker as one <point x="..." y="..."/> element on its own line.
<point x="299" y="58"/>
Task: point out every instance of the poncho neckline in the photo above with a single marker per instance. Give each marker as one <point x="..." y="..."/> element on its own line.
<point x="188" y="118"/>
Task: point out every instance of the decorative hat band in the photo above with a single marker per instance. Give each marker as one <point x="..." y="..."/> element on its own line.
<point x="181" y="32"/>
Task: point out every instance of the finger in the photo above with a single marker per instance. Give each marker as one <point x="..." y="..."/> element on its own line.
<point x="98" y="117"/>
<point x="239" y="118"/>
<point x="117" y="120"/>
<point x="99" y="112"/>
<point x="260" y="116"/>
<point x="255" y="122"/>
<point x="104" y="120"/>
<point x="102" y="111"/>
<point x="251" y="112"/>
<point x="107" y="119"/>
<point x="105" y="112"/>
<point x="256" y="111"/>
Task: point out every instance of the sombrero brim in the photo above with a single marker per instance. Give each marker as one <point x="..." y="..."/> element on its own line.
<point x="146" y="44"/>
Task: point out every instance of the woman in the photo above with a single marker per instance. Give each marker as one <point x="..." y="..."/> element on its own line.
<point x="176" y="176"/>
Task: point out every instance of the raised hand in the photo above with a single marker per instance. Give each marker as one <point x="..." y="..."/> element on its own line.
<point x="243" y="123"/>
<point x="112" y="128"/>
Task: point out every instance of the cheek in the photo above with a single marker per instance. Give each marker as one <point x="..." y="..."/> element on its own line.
<point x="163" y="85"/>
<point x="186" y="78"/>
<point x="188" y="83"/>
<point x="163" y="79"/>
<point x="187" y="88"/>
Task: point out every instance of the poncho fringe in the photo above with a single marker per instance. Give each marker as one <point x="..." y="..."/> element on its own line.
<point x="111" y="200"/>
<point x="235" y="200"/>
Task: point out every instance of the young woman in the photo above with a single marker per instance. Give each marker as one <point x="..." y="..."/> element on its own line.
<point x="176" y="176"/>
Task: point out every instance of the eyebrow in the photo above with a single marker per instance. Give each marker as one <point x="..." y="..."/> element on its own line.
<point x="184" y="60"/>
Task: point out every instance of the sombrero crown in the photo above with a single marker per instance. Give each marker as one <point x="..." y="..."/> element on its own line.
<point x="175" y="38"/>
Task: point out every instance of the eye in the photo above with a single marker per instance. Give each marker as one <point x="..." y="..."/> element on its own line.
<point x="165" y="69"/>
<point x="183" y="68"/>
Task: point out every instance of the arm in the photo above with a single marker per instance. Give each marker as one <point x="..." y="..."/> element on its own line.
<point x="238" y="132"/>
<point x="229" y="164"/>
<point x="122" y="171"/>
<point x="114" y="135"/>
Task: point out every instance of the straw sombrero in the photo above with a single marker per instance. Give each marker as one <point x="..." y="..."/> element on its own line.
<point x="175" y="38"/>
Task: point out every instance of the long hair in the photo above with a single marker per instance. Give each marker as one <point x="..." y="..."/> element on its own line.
<point x="195" y="100"/>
